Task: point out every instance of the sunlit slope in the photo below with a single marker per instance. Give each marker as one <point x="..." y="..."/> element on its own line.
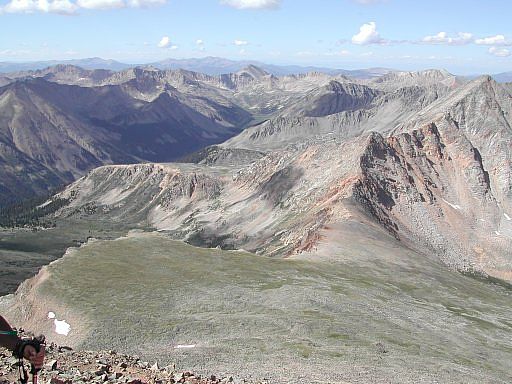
<point x="377" y="313"/>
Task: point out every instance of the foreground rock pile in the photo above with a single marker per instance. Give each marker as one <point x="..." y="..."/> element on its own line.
<point x="65" y="366"/>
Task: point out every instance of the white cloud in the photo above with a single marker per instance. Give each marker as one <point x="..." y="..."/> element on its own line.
<point x="240" y="42"/>
<point x="67" y="7"/>
<point x="462" y="38"/>
<point x="305" y="53"/>
<point x="493" y="40"/>
<point x="101" y="4"/>
<point x="343" y="52"/>
<point x="64" y="7"/>
<point x="199" y="42"/>
<point x="173" y="47"/>
<point x="252" y="4"/>
<point x="145" y="3"/>
<point x="368" y="2"/>
<point x="164" y="42"/>
<point x="368" y="35"/>
<point x="10" y="52"/>
<point x="499" y="52"/>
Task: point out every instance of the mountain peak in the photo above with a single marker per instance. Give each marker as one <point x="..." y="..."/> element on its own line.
<point x="253" y="71"/>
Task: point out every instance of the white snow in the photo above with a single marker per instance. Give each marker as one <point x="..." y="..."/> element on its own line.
<point x="179" y="346"/>
<point x="62" y="327"/>
<point x="507" y="217"/>
<point x="454" y="206"/>
<point x="497" y="233"/>
<point x="44" y="204"/>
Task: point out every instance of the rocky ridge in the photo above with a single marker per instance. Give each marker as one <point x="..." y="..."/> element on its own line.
<point x="63" y="365"/>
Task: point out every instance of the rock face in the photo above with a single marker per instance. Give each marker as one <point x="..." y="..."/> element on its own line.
<point x="333" y="98"/>
<point x="436" y="175"/>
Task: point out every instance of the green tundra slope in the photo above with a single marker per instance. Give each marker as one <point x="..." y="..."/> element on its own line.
<point x="374" y="313"/>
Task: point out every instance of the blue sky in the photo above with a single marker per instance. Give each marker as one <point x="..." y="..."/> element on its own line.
<point x="465" y="37"/>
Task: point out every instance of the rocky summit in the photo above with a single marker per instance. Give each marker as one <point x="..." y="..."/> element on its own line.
<point x="65" y="366"/>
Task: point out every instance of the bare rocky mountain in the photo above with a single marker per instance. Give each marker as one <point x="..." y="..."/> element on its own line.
<point x="435" y="174"/>
<point x="425" y="154"/>
<point x="65" y="130"/>
<point x="65" y="120"/>
<point x="396" y="80"/>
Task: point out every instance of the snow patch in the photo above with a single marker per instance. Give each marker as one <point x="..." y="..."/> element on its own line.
<point x="497" y="233"/>
<point x="454" y="206"/>
<point x="180" y="346"/>
<point x="44" y="204"/>
<point x="62" y="327"/>
<point x="507" y="217"/>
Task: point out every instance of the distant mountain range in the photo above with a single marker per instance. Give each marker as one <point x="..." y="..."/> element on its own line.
<point x="503" y="77"/>
<point x="211" y="66"/>
<point x="89" y="63"/>
<point x="207" y="65"/>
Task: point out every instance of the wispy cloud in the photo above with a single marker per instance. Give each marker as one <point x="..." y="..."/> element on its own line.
<point x="368" y="35"/>
<point x="462" y="38"/>
<point x="67" y="7"/>
<point x="369" y="2"/>
<point x="240" y="42"/>
<point x="101" y="4"/>
<point x="200" y="44"/>
<point x="493" y="40"/>
<point x="145" y="3"/>
<point x="63" y="7"/>
<point x="499" y="52"/>
<point x="252" y="4"/>
<point x="342" y="53"/>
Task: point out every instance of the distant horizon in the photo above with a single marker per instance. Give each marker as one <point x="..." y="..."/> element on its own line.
<point x="460" y="36"/>
<point x="305" y="66"/>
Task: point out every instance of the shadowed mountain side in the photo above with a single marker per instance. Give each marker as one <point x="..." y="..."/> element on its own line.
<point x="69" y="129"/>
<point x="333" y="98"/>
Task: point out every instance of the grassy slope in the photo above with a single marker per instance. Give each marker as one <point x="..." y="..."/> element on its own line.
<point x="317" y="317"/>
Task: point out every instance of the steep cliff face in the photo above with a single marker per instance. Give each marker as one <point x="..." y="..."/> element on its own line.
<point x="432" y="191"/>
